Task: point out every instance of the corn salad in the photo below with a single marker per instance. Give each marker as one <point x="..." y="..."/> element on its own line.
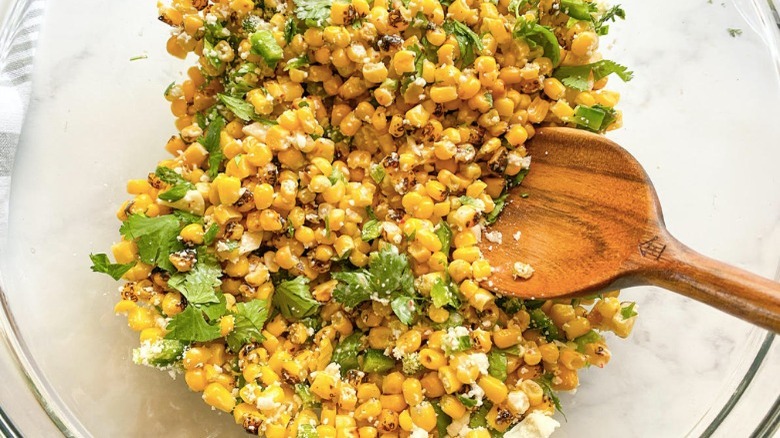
<point x="308" y="257"/>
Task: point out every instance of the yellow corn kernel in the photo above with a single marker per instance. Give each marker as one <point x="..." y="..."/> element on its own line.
<point x="584" y="44"/>
<point x="219" y="397"/>
<point x="576" y="327"/>
<point x="432" y="385"/>
<point x="508" y="337"/>
<point x="196" y="380"/>
<point x="432" y="359"/>
<point x="452" y="407"/>
<point x="495" y="390"/>
<point x="533" y="391"/>
<point x="392" y="383"/>
<point x="412" y="390"/>
<point x="393" y="402"/>
<point x="124" y="251"/>
<point x="140" y="318"/>
<point x="403" y="61"/>
<point x="192" y="233"/>
<point x="449" y="379"/>
<point x="368" y="410"/>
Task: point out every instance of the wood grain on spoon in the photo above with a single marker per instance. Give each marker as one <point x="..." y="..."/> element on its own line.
<point x="592" y="223"/>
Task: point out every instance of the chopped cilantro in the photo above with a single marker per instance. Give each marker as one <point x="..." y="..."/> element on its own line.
<point x="444" y="233"/>
<point x="628" y="311"/>
<point x="497" y="364"/>
<point x="734" y="32"/>
<point x="199" y="283"/>
<point x="371" y="230"/>
<point x="211" y="55"/>
<point x="611" y="14"/>
<point x="577" y="76"/>
<point x="136" y="58"/>
<point x="468" y="200"/>
<point x="460" y="343"/>
<point x="346" y="352"/>
<point x="101" y="263"/>
<point x="315" y="13"/>
<point x="290" y="30"/>
<point x="294" y="300"/>
<point x="306" y="431"/>
<point x="210" y="234"/>
<point x="500" y="203"/>
<point x="516" y="180"/>
<point x="353" y="288"/>
<point x="156" y="238"/>
<point x="190" y="325"/>
<point x="546" y="383"/>
<point x="301" y="61"/>
<point x="479" y="418"/>
<point x="265" y="45"/>
<point x="404" y="308"/>
<point x="467" y="402"/>
<point x="307" y="397"/>
<point x="211" y="143"/>
<point x="510" y="305"/>
<point x="241" y="108"/>
<point x="537" y="35"/>
<point x="445" y="294"/>
<point x="249" y="320"/>
<point x="541" y="321"/>
<point x="515" y="6"/>
<point x="442" y="419"/>
<point x="468" y="41"/>
<point x="588" y="338"/>
<point x="214" y="311"/>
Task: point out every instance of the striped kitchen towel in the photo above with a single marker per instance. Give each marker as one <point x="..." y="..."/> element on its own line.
<point x="18" y="37"/>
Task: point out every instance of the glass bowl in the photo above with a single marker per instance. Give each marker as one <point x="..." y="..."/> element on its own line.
<point x="700" y="115"/>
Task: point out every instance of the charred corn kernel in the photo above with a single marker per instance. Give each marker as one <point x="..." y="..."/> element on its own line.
<point x="219" y="397"/>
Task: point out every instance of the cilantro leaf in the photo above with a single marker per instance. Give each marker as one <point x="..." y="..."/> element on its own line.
<point x="474" y="202"/>
<point x="377" y="173"/>
<point x="307" y="397"/>
<point x="516" y="180"/>
<point x="210" y="54"/>
<point x="537" y="35"/>
<point x="190" y="325"/>
<point x="546" y="383"/>
<point x="156" y="238"/>
<point x="497" y="364"/>
<point x="210" y="234"/>
<point x="315" y="13"/>
<point x="241" y="108"/>
<point x="371" y="230"/>
<point x="249" y="320"/>
<point x="479" y="418"/>
<point x="577" y="76"/>
<point x="214" y="311"/>
<point x="444" y="233"/>
<point x="442" y="419"/>
<point x="265" y="45"/>
<point x="346" y="352"/>
<point x="353" y="288"/>
<point x="169" y="176"/>
<point x="467" y="40"/>
<point x="612" y="14"/>
<point x="290" y="30"/>
<point x="301" y="61"/>
<point x="294" y="299"/>
<point x="391" y="271"/>
<point x="186" y="218"/>
<point x="541" y="321"/>
<point x="211" y="143"/>
<point x="628" y="311"/>
<point x="404" y="308"/>
<point x="101" y="263"/>
<point x="516" y="5"/>
<point x="445" y="294"/>
<point x="588" y="338"/>
<point x="175" y="193"/>
<point x="198" y="284"/>
<point x="500" y="203"/>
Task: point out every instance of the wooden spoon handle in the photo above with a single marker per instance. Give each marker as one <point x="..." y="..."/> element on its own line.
<point x="733" y="290"/>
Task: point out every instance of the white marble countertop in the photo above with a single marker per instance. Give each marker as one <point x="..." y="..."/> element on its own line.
<point x="701" y="116"/>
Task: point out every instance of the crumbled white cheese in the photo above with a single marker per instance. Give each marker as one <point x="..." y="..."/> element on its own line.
<point x="250" y="241"/>
<point x="481" y="361"/>
<point x="518" y="402"/>
<point x="266" y="403"/>
<point x="494" y="236"/>
<point x="257" y="130"/>
<point x="535" y="425"/>
<point x="525" y="163"/>
<point x="517" y="235"/>
<point x="459" y="427"/>
<point x="476" y="393"/>
<point x="522" y="270"/>
<point x="477" y="230"/>
<point x="418" y="433"/>
<point x="450" y="340"/>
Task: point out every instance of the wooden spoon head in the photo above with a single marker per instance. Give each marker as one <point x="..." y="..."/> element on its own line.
<point x="590" y="208"/>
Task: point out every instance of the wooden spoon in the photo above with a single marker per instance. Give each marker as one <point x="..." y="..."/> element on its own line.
<point x="592" y="222"/>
